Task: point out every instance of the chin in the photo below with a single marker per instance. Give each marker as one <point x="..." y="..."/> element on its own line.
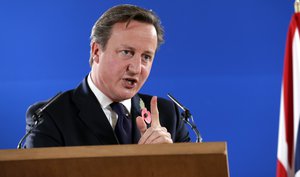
<point x="127" y="95"/>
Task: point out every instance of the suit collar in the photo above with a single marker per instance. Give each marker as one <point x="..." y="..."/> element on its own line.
<point x="135" y="112"/>
<point x="103" y="99"/>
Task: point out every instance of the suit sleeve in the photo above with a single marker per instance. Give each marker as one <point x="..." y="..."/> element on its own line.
<point x="46" y="134"/>
<point x="169" y="117"/>
<point x="182" y="133"/>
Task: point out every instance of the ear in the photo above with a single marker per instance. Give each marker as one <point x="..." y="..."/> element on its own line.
<point x="96" y="50"/>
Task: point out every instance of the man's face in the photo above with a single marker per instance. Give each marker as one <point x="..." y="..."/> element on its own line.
<point x="122" y="68"/>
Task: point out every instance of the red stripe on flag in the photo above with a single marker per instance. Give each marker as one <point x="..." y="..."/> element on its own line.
<point x="281" y="172"/>
<point x="297" y="20"/>
<point x="288" y="91"/>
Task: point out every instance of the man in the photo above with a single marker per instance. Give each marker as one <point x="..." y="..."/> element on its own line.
<point x="106" y="107"/>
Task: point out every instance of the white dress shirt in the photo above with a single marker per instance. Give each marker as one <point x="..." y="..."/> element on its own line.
<point x="105" y="102"/>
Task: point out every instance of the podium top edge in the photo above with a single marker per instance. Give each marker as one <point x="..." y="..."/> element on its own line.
<point x="114" y="151"/>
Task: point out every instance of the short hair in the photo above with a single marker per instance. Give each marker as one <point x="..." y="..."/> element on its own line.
<point x="101" y="30"/>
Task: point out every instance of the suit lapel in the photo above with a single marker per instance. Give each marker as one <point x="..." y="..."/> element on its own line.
<point x="92" y="115"/>
<point x="135" y="112"/>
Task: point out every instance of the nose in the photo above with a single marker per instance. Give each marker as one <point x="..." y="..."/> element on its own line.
<point x="135" y="65"/>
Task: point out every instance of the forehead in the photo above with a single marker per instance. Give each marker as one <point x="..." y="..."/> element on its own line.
<point x="135" y="34"/>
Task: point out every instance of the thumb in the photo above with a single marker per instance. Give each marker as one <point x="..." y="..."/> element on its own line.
<point x="141" y="125"/>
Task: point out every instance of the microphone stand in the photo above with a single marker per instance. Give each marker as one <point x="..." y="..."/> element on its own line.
<point x="187" y="117"/>
<point x="37" y="118"/>
<point x="36" y="123"/>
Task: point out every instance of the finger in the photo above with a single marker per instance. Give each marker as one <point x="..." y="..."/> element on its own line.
<point x="141" y="125"/>
<point x="156" y="135"/>
<point x="161" y="140"/>
<point x="159" y="135"/>
<point x="145" y="135"/>
<point x="154" y="112"/>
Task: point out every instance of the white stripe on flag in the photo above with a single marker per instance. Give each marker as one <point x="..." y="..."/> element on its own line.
<point x="282" y="145"/>
<point x="296" y="82"/>
<point x="297" y="174"/>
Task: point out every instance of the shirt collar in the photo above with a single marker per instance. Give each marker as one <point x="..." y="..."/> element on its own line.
<point x="103" y="99"/>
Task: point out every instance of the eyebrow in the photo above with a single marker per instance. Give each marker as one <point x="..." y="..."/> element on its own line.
<point x="131" y="48"/>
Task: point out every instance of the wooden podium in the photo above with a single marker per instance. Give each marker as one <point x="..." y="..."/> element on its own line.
<point x="163" y="160"/>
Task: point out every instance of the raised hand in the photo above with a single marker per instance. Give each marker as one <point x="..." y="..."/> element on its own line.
<point x="155" y="134"/>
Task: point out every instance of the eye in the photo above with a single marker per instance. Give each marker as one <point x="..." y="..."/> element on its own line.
<point x="147" y="58"/>
<point x="127" y="53"/>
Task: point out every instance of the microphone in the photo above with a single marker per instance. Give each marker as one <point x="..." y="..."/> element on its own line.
<point x="187" y="117"/>
<point x="37" y="118"/>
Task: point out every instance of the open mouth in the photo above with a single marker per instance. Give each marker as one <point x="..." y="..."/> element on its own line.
<point x="130" y="81"/>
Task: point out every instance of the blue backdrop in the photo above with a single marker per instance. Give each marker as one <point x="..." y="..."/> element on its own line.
<point x="222" y="59"/>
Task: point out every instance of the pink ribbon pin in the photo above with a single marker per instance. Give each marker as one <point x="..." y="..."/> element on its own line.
<point x="146" y="115"/>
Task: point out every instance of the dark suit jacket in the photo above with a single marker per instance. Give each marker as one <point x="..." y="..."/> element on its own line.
<point x="76" y="118"/>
